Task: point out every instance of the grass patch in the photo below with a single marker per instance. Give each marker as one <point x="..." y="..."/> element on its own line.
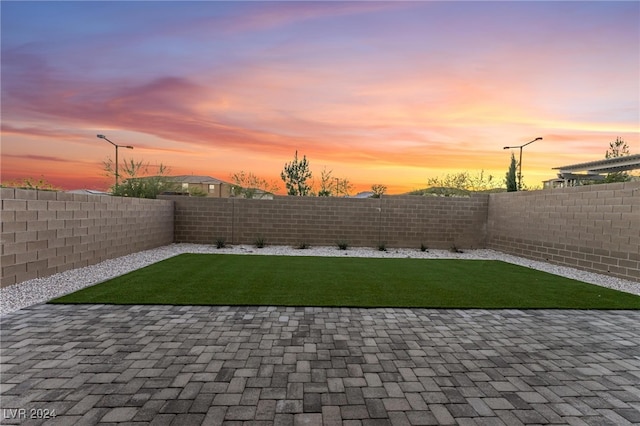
<point x="226" y="279"/>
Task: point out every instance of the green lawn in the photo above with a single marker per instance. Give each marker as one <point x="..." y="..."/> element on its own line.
<point x="226" y="279"/>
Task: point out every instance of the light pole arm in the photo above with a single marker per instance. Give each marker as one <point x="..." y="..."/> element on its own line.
<point x="520" y="162"/>
<point x="116" y="146"/>
<point x="536" y="139"/>
<point x="104" y="137"/>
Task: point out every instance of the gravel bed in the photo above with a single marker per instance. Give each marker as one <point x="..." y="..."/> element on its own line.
<point x="41" y="290"/>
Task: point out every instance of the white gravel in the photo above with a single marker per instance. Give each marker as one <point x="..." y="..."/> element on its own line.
<point x="41" y="290"/>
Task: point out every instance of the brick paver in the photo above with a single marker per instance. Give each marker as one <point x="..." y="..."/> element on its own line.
<point x="318" y="366"/>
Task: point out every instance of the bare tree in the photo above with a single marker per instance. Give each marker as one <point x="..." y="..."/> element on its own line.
<point x="326" y="183"/>
<point x="378" y="190"/>
<point x="343" y="187"/>
<point x="249" y="185"/>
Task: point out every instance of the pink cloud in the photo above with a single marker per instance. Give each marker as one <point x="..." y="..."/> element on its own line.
<point x="416" y="91"/>
<point x="33" y="157"/>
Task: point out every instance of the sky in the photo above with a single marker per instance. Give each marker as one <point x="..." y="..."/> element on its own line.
<point x="390" y="93"/>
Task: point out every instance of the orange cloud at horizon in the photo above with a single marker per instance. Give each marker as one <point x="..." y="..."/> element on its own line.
<point x="400" y="171"/>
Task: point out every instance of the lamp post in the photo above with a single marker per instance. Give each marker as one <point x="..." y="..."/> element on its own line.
<point x="117" y="146"/>
<point x="520" y="162"/>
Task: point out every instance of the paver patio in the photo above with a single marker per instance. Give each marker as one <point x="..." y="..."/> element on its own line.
<point x="311" y="366"/>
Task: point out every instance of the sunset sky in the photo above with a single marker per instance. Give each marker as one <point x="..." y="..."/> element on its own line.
<point x="386" y="93"/>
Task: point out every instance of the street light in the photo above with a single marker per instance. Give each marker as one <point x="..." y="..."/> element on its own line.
<point x="520" y="163"/>
<point x="117" y="146"/>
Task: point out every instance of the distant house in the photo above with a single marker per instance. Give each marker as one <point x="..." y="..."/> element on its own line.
<point x="87" y="192"/>
<point x="364" y="194"/>
<point x="202" y="185"/>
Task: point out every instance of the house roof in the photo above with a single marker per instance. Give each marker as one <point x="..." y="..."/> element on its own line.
<point x="87" y="192"/>
<point x="364" y="194"/>
<point x="196" y="179"/>
<point x="611" y="165"/>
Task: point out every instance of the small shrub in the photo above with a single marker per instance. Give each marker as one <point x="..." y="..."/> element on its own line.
<point x="303" y="245"/>
<point x="455" y="249"/>
<point x="221" y="243"/>
<point x="423" y="247"/>
<point x="260" y="242"/>
<point x="343" y="245"/>
<point x="382" y="246"/>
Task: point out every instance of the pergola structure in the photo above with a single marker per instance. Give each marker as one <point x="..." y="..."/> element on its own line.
<point x="576" y="174"/>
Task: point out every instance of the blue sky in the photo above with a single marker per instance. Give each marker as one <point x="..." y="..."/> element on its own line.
<point x="378" y="92"/>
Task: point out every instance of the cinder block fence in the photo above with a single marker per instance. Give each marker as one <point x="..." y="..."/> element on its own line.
<point x="46" y="232"/>
<point x="595" y="228"/>
<point x="396" y="221"/>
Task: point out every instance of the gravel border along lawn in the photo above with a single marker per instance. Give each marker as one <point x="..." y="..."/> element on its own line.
<point x="41" y="290"/>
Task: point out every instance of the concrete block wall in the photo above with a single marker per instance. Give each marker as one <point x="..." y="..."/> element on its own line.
<point x="595" y="228"/>
<point x="46" y="232"/>
<point x="312" y="220"/>
<point x="398" y="221"/>
<point x="437" y="222"/>
<point x="200" y="220"/>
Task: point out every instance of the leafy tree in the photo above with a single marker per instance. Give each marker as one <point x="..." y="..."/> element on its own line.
<point x="378" y="190"/>
<point x="333" y="186"/>
<point x="248" y="185"/>
<point x="296" y="175"/>
<point x="480" y="182"/>
<point x="526" y="187"/>
<point x="196" y="191"/>
<point x="343" y="187"/>
<point x="618" y="148"/>
<point x="464" y="181"/>
<point x="510" y="178"/>
<point x="31" y="183"/>
<point x="326" y="183"/>
<point x="138" y="183"/>
<point x="458" y="184"/>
